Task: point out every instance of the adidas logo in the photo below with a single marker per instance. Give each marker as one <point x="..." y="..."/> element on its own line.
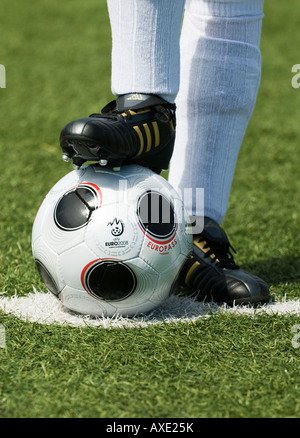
<point x="135" y="96"/>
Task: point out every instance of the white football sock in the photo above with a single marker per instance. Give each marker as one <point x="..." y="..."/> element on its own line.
<point x="219" y="80"/>
<point x="220" y="75"/>
<point x="145" y="51"/>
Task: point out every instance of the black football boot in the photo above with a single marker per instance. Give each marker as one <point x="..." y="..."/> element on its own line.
<point x="213" y="274"/>
<point x="134" y="129"/>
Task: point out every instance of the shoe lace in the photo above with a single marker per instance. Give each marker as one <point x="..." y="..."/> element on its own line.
<point x="110" y="111"/>
<point x="218" y="251"/>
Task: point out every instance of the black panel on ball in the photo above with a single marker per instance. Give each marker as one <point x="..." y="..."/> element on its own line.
<point x="88" y="197"/>
<point x="47" y="279"/>
<point x="110" y="280"/>
<point x="156" y="214"/>
<point x="71" y="212"/>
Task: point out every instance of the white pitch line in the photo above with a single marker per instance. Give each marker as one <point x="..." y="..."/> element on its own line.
<point x="44" y="308"/>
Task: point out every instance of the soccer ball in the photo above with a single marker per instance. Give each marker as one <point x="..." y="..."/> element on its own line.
<point x="108" y="242"/>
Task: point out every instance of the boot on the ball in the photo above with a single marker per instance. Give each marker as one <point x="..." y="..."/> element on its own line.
<point x="134" y="129"/>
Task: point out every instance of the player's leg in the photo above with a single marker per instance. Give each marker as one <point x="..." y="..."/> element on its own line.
<point x="145" y="46"/>
<point x="220" y="76"/>
<point x="139" y="126"/>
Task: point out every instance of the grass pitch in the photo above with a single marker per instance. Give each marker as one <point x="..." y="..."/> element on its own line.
<point x="57" y="61"/>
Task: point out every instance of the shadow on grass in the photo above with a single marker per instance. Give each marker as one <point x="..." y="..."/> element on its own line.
<point x="276" y="270"/>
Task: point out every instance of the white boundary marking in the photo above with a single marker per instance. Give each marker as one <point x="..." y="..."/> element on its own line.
<point x="44" y="308"/>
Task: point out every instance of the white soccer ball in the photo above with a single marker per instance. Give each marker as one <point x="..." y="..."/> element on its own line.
<point x="108" y="243"/>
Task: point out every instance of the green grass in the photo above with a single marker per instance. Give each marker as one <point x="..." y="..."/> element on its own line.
<point x="57" y="59"/>
<point x="212" y="368"/>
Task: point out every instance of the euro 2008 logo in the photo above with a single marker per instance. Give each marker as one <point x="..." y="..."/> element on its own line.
<point x="116" y="227"/>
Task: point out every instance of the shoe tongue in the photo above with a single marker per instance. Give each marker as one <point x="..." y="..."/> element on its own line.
<point x="213" y="231"/>
<point x="135" y="101"/>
